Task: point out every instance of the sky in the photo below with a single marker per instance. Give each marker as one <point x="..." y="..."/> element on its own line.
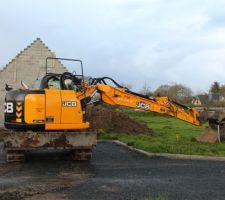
<point x="136" y="42"/>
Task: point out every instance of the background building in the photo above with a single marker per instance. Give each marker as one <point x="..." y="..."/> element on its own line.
<point x="27" y="66"/>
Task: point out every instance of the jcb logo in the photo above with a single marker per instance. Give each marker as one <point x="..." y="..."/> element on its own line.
<point x="8" y="107"/>
<point x="142" y="105"/>
<point x="69" y="103"/>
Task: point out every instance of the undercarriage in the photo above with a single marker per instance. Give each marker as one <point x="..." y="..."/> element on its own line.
<point x="79" y="143"/>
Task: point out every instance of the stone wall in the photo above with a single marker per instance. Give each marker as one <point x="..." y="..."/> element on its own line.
<point x="27" y="66"/>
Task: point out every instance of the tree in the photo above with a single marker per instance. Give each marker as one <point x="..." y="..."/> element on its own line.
<point x="222" y="90"/>
<point x="146" y="90"/>
<point x="177" y="92"/>
<point x="180" y="91"/>
<point x="215" y="87"/>
<point x="162" y="90"/>
<point x="126" y="85"/>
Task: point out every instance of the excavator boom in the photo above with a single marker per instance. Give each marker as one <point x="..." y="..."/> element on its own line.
<point x="163" y="105"/>
<point x="120" y="96"/>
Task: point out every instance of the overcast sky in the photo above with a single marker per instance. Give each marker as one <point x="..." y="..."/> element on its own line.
<point x="137" y="42"/>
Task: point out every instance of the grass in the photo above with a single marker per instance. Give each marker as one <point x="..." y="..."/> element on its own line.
<point x="170" y="136"/>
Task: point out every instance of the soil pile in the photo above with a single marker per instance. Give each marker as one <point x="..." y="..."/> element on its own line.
<point x="107" y="119"/>
<point x="209" y="136"/>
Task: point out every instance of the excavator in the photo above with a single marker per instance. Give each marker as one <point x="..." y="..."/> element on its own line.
<point x="53" y="116"/>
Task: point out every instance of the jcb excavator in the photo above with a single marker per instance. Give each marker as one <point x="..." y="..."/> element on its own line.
<point x="54" y="115"/>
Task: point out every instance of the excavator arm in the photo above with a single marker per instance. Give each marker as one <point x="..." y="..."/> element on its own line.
<point x="163" y="105"/>
<point x="120" y="96"/>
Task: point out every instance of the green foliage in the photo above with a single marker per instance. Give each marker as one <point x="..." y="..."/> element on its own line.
<point x="215" y="87"/>
<point x="170" y="136"/>
<point x="222" y="90"/>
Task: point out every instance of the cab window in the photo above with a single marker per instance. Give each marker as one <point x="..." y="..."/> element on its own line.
<point x="54" y="83"/>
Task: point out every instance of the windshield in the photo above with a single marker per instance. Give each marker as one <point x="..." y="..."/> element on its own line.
<point x="54" y="83"/>
<point x="59" y="82"/>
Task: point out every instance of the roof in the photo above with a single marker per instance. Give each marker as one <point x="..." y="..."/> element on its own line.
<point x="203" y="98"/>
<point x="36" y="41"/>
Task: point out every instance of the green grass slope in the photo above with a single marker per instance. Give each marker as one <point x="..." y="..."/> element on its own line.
<point x="170" y="136"/>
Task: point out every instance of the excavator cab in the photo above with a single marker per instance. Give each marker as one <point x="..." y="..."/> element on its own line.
<point x="54" y="106"/>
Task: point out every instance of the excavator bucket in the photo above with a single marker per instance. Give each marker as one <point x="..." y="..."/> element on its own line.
<point x="215" y="131"/>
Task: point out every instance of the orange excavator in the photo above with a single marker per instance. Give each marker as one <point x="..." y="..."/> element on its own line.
<point x="53" y="116"/>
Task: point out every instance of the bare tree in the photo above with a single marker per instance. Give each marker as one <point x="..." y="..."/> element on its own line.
<point x="162" y="90"/>
<point x="126" y="85"/>
<point x="177" y="92"/>
<point x="146" y="90"/>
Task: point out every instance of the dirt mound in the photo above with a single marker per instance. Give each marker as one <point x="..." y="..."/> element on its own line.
<point x="106" y="119"/>
<point x="209" y="136"/>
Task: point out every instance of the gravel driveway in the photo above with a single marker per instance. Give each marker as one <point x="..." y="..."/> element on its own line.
<point x="114" y="173"/>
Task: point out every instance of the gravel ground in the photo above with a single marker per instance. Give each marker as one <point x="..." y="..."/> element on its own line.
<point x="114" y="173"/>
